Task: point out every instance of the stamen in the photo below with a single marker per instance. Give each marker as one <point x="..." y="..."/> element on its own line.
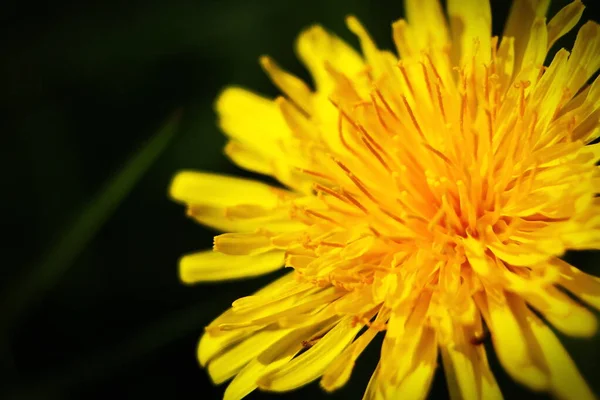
<point x="522" y="86"/>
<point x="315" y="173"/>
<point x="436" y="218"/>
<point x="341" y="136"/>
<point x="385" y="103"/>
<point x="319" y="215"/>
<point x="298" y="214"/>
<point x="375" y="231"/>
<point x="405" y="76"/>
<point x="392" y="215"/>
<point x="486" y="84"/>
<point x="434" y="69"/>
<point x="341" y="165"/>
<point x="354" y="201"/>
<point x="361" y="186"/>
<point x="350" y="120"/>
<point x="476" y="44"/>
<point x="438" y="153"/>
<point x="543" y="69"/>
<point x="370" y="139"/>
<point x="494" y="44"/>
<point x="331" y="192"/>
<point x="361" y="104"/>
<point x="440" y="101"/>
<point x="490" y="124"/>
<point x="427" y="81"/>
<point x="379" y="116"/>
<point x="331" y="244"/>
<point x="376" y="154"/>
<point x="312" y="341"/>
<point x="463" y="112"/>
<point x="480" y="338"/>
<point x="412" y="117"/>
<point x="378" y="326"/>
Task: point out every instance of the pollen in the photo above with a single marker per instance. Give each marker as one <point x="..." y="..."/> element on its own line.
<point x="428" y="195"/>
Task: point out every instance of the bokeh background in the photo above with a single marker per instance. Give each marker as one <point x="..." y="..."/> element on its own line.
<point x="102" y="103"/>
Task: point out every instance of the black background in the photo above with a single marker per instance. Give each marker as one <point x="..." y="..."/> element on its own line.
<point x="83" y="86"/>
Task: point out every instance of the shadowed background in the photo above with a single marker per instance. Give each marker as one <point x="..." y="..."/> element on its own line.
<point x="93" y="305"/>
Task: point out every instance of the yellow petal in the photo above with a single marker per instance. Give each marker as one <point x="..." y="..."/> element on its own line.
<point x="273" y="289"/>
<point x="506" y="61"/>
<point x="536" y="49"/>
<point x="404" y="39"/>
<point x="244" y="218"/>
<point x="584" y="100"/>
<point x="244" y="382"/>
<point x="588" y="130"/>
<point x="251" y="119"/>
<point x="358" y="248"/>
<point x="273" y="163"/>
<point x="303" y="311"/>
<point x="520" y="20"/>
<point x="417" y="382"/>
<point x="316" y="46"/>
<point x="286" y="290"/>
<point x="512" y="342"/>
<point x="216" y="190"/>
<point x="275" y="356"/>
<point x="564" y="21"/>
<point x="373" y="391"/>
<point x="465" y="364"/>
<point x="285" y="307"/>
<point x="565" y="380"/>
<point x="299" y="123"/>
<point x="248" y="158"/>
<point x="427" y="19"/>
<point x="355" y="302"/>
<point x="338" y="372"/>
<point x="479" y="261"/>
<point x="521" y="255"/>
<point x="243" y="243"/>
<point x="471" y="27"/>
<point x="372" y="54"/>
<point x="585" y="56"/>
<point x="311" y="364"/>
<point x="406" y="331"/>
<point x="229" y="363"/>
<point x="208" y="266"/>
<point x="289" y="84"/>
<point x="563" y="313"/>
<point x="210" y="345"/>
<point x="296" y="340"/>
<point x="582" y="285"/>
<point x="549" y="91"/>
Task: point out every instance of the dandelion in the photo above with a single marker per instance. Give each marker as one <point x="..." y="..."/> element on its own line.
<point x="427" y="197"/>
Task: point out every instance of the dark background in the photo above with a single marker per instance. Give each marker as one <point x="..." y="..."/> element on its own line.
<point x="83" y="87"/>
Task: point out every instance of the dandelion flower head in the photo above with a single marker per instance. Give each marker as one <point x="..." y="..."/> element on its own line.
<point x="426" y="195"/>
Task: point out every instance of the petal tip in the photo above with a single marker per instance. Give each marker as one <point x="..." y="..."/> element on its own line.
<point x="178" y="185"/>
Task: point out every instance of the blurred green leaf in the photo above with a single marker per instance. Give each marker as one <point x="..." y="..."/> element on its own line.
<point x="43" y="275"/>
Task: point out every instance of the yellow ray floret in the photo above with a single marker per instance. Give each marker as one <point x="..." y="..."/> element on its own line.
<point x="428" y="197"/>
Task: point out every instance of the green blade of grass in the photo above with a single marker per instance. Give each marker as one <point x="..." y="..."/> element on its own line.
<point x="43" y="275"/>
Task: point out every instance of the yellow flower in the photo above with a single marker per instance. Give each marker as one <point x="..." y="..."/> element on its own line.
<point x="427" y="197"/>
